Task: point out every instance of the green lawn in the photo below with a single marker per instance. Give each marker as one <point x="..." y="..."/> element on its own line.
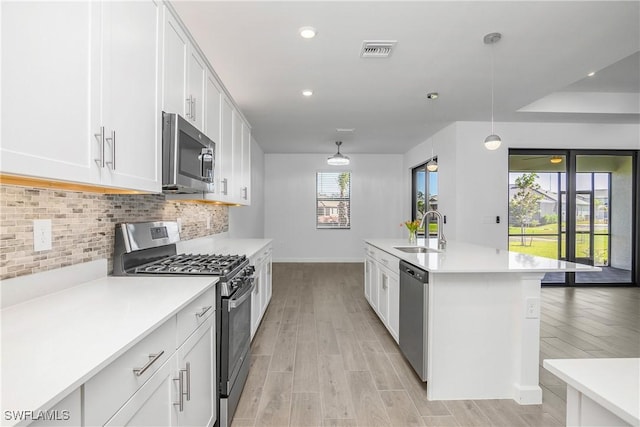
<point x="547" y="246"/>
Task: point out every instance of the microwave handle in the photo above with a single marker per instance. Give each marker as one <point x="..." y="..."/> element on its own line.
<point x="203" y="172"/>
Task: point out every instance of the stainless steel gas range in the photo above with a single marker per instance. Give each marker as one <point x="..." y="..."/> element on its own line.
<point x="147" y="248"/>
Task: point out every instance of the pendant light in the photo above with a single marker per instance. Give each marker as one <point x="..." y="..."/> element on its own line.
<point x="493" y="141"/>
<point x="338" y="159"/>
<point x="432" y="165"/>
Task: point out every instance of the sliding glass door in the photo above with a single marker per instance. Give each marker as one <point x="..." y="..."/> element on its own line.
<point x="576" y="206"/>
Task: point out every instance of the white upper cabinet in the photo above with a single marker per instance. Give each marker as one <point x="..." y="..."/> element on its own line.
<point x="213" y="98"/>
<point x="245" y="170"/>
<point x="197" y="71"/>
<point x="80" y="87"/>
<point x="224" y="160"/>
<point x="236" y="188"/>
<point x="130" y="85"/>
<point x="174" y="67"/>
<point x="184" y="74"/>
<point x="46" y="90"/>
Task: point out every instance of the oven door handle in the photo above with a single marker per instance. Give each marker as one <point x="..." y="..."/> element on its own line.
<point x="234" y="303"/>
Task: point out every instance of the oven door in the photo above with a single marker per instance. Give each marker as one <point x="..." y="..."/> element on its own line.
<point x="236" y="335"/>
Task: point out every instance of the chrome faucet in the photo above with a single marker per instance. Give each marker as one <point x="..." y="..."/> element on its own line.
<point x="442" y="242"/>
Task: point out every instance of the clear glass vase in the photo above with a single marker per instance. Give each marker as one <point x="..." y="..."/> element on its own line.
<point x="413" y="237"/>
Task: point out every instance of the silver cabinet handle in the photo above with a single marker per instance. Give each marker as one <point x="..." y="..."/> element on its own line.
<point x="188" y="107"/>
<point x="180" y="379"/>
<point x="204" y="311"/>
<point x="244" y="190"/>
<point x="225" y="184"/>
<point x="112" y="163"/>
<point x="193" y="108"/>
<point x="188" y="374"/>
<point x="100" y="137"/>
<point x="152" y="359"/>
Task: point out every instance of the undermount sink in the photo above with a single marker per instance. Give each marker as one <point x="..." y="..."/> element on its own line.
<point x="416" y="249"/>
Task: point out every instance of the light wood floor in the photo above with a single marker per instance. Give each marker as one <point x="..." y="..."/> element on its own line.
<point x="321" y="357"/>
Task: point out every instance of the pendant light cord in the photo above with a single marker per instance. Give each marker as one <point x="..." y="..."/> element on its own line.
<point x="492" y="78"/>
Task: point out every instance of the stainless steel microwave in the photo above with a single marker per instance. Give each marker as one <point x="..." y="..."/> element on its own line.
<point x="188" y="157"/>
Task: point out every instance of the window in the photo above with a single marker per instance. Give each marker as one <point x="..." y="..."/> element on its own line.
<point x="333" y="200"/>
<point x="424" y="195"/>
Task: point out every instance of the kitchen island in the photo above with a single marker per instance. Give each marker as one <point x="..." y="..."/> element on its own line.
<point x="482" y="315"/>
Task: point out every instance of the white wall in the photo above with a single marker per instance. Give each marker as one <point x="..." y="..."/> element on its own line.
<point x="290" y="206"/>
<point x="474" y="181"/>
<point x="248" y="221"/>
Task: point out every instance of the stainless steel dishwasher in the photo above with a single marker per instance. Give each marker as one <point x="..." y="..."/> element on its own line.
<point x="414" y="298"/>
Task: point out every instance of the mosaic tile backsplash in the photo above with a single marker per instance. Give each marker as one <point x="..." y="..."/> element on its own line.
<point x="83" y="224"/>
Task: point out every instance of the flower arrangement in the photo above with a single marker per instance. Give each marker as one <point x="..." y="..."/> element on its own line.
<point x="412" y="226"/>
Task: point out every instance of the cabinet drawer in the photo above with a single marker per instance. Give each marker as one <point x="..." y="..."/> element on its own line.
<point x="194" y="315"/>
<point x="387" y="260"/>
<point x="106" y="392"/>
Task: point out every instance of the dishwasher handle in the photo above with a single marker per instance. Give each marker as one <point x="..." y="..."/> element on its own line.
<point x="416" y="273"/>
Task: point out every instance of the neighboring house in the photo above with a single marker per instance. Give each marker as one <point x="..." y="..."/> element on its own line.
<point x="548" y="204"/>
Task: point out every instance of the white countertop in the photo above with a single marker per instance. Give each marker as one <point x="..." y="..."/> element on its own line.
<point x="612" y="383"/>
<point x="54" y="343"/>
<point x="461" y="257"/>
<point x="223" y="246"/>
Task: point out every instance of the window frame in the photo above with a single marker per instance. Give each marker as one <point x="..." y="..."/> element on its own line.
<point x="347" y="199"/>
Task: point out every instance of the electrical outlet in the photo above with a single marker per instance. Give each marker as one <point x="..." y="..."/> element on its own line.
<point x="532" y="308"/>
<point x="179" y="221"/>
<point x="41" y="235"/>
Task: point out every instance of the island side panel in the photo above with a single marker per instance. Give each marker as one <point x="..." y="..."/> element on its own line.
<point x="480" y="346"/>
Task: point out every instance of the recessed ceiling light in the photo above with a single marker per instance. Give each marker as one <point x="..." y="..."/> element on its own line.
<point x="591" y="74"/>
<point x="307" y="92"/>
<point x="433" y="95"/>
<point x="308" y="32"/>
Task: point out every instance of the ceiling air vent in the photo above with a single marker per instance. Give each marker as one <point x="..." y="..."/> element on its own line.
<point x="377" y="48"/>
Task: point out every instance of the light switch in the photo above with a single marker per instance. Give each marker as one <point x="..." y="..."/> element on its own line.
<point x="41" y="234"/>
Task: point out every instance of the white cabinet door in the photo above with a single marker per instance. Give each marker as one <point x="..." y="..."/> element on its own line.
<point x="369" y="277"/>
<point x="213" y="96"/>
<point x="393" y="320"/>
<point x="153" y="403"/>
<point x="47" y="82"/>
<point x="130" y="87"/>
<point x="383" y="295"/>
<point x="174" y="66"/>
<point x="268" y="280"/>
<point x="236" y="187"/>
<point x="375" y="285"/>
<point x="197" y="71"/>
<point x="225" y="163"/>
<point x="67" y="413"/>
<point x="196" y="360"/>
<point x="245" y="167"/>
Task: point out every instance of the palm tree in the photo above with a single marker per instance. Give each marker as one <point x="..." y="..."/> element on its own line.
<point x="343" y="183"/>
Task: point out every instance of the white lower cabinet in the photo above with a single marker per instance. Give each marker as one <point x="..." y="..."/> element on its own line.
<point x="152" y="404"/>
<point x="261" y="295"/>
<point x="156" y="384"/>
<point x="389" y="300"/>
<point x="196" y="362"/>
<point x="382" y="287"/>
<point x="67" y="413"/>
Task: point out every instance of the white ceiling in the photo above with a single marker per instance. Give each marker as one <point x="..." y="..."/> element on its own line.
<point x="546" y="47"/>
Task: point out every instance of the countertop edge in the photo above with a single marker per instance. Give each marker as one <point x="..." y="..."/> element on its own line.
<point x="551" y="366"/>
